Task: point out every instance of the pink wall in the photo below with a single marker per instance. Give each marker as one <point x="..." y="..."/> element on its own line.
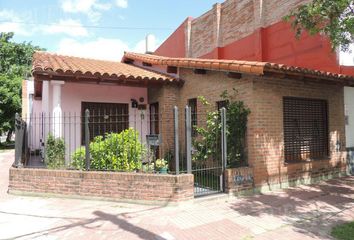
<point x="74" y="93"/>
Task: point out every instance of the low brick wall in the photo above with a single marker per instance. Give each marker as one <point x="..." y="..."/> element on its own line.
<point x="239" y="180"/>
<point x="136" y="187"/>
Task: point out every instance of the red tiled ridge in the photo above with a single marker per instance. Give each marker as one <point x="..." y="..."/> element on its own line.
<point x="50" y="63"/>
<point x="252" y="67"/>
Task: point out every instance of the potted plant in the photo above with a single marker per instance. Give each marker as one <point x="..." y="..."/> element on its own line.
<point x="161" y="166"/>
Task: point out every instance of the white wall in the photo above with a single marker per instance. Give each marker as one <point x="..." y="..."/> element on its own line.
<point x="349" y="109"/>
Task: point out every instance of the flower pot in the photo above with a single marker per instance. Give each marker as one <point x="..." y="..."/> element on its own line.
<point x="163" y="170"/>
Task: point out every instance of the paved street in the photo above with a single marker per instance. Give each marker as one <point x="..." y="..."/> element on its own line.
<point x="307" y="212"/>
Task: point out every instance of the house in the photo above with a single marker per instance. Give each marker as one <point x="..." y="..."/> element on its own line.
<point x="63" y="87"/>
<point x="295" y="132"/>
<point x="296" y="129"/>
<point x="255" y="31"/>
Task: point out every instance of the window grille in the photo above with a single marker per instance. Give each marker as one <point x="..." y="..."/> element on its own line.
<point x="105" y="118"/>
<point x="305" y="129"/>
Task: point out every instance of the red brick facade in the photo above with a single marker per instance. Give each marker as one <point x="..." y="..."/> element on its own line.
<point x="265" y="134"/>
<point x="146" y="188"/>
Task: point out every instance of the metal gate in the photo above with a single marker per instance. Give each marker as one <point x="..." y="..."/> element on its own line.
<point x="208" y="169"/>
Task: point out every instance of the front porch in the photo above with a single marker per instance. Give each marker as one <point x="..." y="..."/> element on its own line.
<point x="116" y="95"/>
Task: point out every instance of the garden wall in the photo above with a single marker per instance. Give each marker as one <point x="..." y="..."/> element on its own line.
<point x="136" y="187"/>
<point x="239" y="180"/>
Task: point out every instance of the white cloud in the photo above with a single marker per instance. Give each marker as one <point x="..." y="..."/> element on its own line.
<point x="101" y="48"/>
<point x="66" y="26"/>
<point x="14" y="23"/>
<point x="122" y="3"/>
<point x="347" y="58"/>
<point x="91" y="8"/>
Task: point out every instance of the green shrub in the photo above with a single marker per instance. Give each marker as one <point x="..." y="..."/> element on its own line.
<point x="207" y="143"/>
<point x="116" y="151"/>
<point x="54" y="152"/>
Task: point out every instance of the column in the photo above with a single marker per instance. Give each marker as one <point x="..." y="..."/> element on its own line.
<point x="57" y="112"/>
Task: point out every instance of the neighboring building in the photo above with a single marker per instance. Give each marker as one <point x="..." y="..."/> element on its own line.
<point x="252" y="30"/>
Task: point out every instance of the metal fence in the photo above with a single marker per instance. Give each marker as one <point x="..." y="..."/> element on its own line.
<point x="139" y="141"/>
<point x="96" y="140"/>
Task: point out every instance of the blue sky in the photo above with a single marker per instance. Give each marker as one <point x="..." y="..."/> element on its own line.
<point x="50" y="24"/>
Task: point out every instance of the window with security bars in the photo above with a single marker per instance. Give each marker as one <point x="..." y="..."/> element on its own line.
<point x="105" y="118"/>
<point x="192" y="103"/>
<point x="305" y="129"/>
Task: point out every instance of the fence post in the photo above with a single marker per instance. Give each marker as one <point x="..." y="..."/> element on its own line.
<point x="188" y="138"/>
<point x="18" y="140"/>
<point x="223" y="148"/>
<point x="175" y="117"/>
<point x="223" y="138"/>
<point x="87" y="140"/>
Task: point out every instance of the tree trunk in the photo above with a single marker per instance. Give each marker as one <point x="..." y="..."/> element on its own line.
<point x="9" y="135"/>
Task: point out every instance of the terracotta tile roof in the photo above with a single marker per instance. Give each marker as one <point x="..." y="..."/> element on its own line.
<point x="259" y="68"/>
<point x="54" y="64"/>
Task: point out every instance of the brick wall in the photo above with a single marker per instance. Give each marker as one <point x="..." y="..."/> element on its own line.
<point x="233" y="20"/>
<point x="266" y="148"/>
<point x="264" y="95"/>
<point x="108" y="185"/>
<point x="203" y="34"/>
<point x="238" y="180"/>
<point x="166" y="96"/>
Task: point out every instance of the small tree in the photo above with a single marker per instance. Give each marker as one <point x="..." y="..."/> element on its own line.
<point x="54" y="152"/>
<point x="332" y="18"/>
<point x="236" y="116"/>
<point x="15" y="64"/>
<point x="207" y="142"/>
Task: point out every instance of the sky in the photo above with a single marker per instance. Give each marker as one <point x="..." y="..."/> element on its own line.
<point x="101" y="29"/>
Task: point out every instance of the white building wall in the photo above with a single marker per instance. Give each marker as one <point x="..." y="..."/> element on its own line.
<point x="349" y="112"/>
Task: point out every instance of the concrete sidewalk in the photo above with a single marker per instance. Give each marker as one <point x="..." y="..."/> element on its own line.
<point x="306" y="212"/>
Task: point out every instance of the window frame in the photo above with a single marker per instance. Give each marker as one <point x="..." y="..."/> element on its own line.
<point x="193" y="104"/>
<point x="97" y="119"/>
<point x="308" y="147"/>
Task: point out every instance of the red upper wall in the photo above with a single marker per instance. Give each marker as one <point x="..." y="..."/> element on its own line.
<point x="175" y="45"/>
<point x="277" y="44"/>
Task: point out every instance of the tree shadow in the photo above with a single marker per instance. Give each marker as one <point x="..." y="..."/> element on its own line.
<point x="310" y="209"/>
<point x="100" y="217"/>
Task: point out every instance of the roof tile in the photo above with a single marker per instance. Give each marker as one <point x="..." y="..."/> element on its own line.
<point x="252" y="67"/>
<point x="59" y="64"/>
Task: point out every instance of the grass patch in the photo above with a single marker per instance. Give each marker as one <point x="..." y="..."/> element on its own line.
<point x="343" y="231"/>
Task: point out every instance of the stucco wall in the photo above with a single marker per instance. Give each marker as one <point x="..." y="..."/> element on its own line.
<point x="74" y="94"/>
<point x="349" y="107"/>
